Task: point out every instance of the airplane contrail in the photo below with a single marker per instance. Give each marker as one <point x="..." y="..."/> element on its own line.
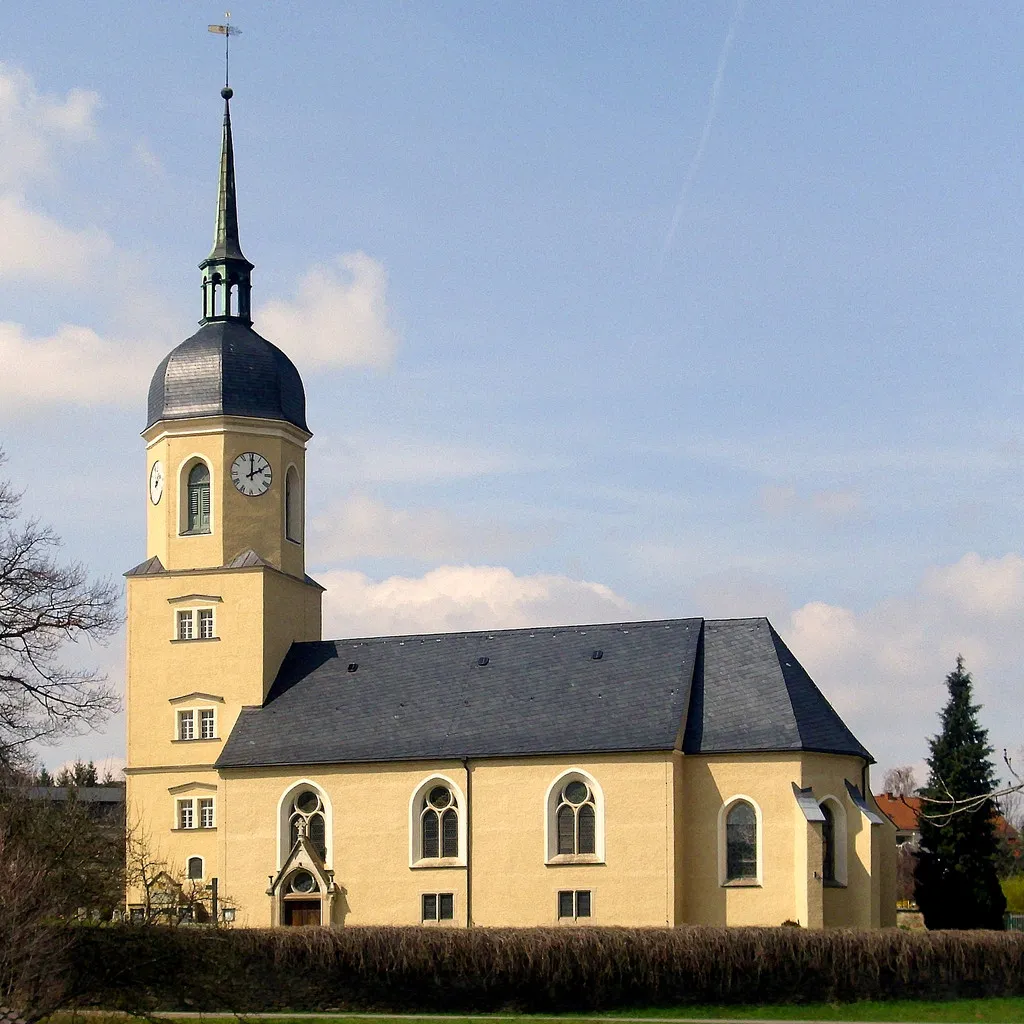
<point x="709" y="121"/>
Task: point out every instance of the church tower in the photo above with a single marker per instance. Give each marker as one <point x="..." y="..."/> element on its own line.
<point x="223" y="591"/>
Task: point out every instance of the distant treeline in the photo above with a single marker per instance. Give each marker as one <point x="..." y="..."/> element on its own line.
<point x="142" y="969"/>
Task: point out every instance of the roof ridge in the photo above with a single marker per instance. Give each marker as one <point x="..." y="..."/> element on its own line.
<point x="581" y="629"/>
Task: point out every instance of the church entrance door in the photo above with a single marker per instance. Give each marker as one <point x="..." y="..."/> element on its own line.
<point x="301" y="912"/>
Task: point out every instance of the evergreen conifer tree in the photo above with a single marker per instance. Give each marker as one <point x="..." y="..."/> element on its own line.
<point x="955" y="878"/>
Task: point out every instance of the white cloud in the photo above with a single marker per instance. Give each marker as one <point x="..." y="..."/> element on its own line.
<point x="34" y="125"/>
<point x="338" y="318"/>
<point x="883" y="667"/>
<point x="73" y="365"/>
<point x="360" y="526"/>
<point x="783" y="500"/>
<point x="464" y="597"/>
<point x="37" y="245"/>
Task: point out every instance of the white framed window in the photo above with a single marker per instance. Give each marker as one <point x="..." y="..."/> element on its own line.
<point x="205" y="623"/>
<point x="437" y="906"/>
<point x="574" y="904"/>
<point x="574" y="819"/>
<point x="195" y="724"/>
<point x="207" y="724"/>
<point x="195" y="869"/>
<point x="833" y="842"/>
<point x="194" y="624"/>
<point x="206" y="812"/>
<point x="740" y="842"/>
<point x="186" y="725"/>
<point x="437" y="824"/>
<point x="188" y="816"/>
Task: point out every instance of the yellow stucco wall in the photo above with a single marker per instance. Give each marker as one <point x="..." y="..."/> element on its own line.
<point x="238" y="522"/>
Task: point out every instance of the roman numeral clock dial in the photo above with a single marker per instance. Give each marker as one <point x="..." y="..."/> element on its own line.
<point x="251" y="474"/>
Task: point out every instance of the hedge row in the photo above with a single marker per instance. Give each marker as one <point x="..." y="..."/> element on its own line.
<point x="529" y="970"/>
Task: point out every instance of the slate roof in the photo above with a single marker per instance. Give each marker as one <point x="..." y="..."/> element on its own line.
<point x="752" y="694"/>
<point x="707" y="686"/>
<point x="227" y="369"/>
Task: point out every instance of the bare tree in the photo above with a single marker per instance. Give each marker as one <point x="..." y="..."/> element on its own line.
<point x="900" y="781"/>
<point x="45" y="604"/>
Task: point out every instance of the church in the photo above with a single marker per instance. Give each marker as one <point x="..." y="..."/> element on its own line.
<point x="684" y="771"/>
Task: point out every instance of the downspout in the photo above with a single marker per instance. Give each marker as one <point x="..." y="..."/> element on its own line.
<point x="469" y="842"/>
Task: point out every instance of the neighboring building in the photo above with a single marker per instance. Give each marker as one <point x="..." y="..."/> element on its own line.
<point x="101" y="802"/>
<point x="644" y="773"/>
<point x="904" y="811"/>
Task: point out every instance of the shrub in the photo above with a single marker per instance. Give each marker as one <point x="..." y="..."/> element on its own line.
<point x="144" y="969"/>
<point x="1013" y="890"/>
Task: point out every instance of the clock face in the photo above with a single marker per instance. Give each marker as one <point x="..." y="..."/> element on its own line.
<point x="156" y="483"/>
<point x="251" y="474"/>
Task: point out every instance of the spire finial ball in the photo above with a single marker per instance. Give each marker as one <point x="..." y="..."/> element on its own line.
<point x="227" y="92"/>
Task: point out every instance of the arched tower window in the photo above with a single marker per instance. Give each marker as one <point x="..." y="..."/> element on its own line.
<point x="307" y="814"/>
<point x="199" y="499"/>
<point x="195" y="869"/>
<point x="292" y="505"/>
<point x="439" y="823"/>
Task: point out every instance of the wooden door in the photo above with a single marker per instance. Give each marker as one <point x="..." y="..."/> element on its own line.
<point x="301" y="912"/>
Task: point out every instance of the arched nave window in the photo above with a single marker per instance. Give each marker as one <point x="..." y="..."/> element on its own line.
<point x="833" y="841"/>
<point x="305" y="808"/>
<point x="437" y="823"/>
<point x="574" y="819"/>
<point x="739" y="842"/>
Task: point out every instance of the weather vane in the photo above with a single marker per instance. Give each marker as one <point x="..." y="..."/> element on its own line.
<point x="227" y="30"/>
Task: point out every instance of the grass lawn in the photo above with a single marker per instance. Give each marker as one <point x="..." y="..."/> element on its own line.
<point x="959" y="1011"/>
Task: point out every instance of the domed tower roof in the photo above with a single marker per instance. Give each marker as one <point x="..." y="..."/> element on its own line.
<point x="226" y="368"/>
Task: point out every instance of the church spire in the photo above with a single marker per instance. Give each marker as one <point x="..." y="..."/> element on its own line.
<point x="227" y="282"/>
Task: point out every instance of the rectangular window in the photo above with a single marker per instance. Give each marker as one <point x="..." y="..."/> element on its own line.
<point x="186" y="725"/>
<point x="206" y="812"/>
<point x="430" y="906"/>
<point x="185" y="626"/>
<point x="205" y="623"/>
<point x="445" y="906"/>
<point x="573" y="904"/>
<point x="206" y="730"/>
<point x="438" y="906"/>
<point x="186" y="814"/>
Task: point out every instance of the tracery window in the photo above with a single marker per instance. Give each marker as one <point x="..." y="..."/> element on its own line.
<point x="576" y="819"/>
<point x="439" y="823"/>
<point x="307" y="809"/>
<point x="741" y="843"/>
<point x="198" y="499"/>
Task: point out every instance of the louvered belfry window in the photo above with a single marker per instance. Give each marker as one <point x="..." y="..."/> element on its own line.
<point x="439" y="823"/>
<point x="576" y="819"/>
<point x="199" y="499"/>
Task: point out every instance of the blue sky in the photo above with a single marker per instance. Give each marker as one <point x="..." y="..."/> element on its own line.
<point x="534" y="401"/>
